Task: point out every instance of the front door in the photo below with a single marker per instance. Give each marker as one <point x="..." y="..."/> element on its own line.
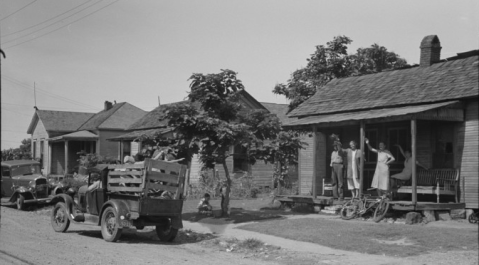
<point x="95" y="198"/>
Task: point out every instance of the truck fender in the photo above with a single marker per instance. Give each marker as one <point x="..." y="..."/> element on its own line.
<point x="121" y="208"/>
<point x="177" y="222"/>
<point x="68" y="202"/>
<point x="23" y="191"/>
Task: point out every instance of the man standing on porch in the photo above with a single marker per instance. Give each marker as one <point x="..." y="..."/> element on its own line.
<point x="337" y="172"/>
<point x="354" y="156"/>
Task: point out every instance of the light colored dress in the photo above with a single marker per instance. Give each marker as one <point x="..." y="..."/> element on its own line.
<point x="406" y="172"/>
<point x="381" y="175"/>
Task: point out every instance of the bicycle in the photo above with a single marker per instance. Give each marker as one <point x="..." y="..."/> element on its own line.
<point x="359" y="206"/>
<point x="474" y="218"/>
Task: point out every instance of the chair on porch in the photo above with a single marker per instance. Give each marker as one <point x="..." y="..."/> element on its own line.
<point x="327" y="185"/>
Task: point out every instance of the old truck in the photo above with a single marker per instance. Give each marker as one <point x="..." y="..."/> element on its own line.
<point x="127" y="196"/>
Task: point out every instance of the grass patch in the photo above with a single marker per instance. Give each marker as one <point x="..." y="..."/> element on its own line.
<point x="371" y="238"/>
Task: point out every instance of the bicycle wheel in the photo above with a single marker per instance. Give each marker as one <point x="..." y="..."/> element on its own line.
<point x="350" y="209"/>
<point x="381" y="210"/>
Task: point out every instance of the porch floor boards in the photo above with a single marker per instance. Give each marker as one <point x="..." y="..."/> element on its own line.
<point x="394" y="204"/>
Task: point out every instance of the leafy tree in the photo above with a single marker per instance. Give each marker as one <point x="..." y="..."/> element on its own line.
<point x="214" y="120"/>
<point x="22" y="152"/>
<point x="333" y="61"/>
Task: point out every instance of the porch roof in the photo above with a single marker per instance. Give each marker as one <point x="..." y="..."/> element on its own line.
<point x="76" y="136"/>
<point x="131" y="136"/>
<point x="424" y="112"/>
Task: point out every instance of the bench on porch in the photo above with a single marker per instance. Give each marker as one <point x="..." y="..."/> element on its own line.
<point x="444" y="181"/>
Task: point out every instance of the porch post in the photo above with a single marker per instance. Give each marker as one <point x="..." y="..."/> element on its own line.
<point x="49" y="164"/>
<point x="361" y="163"/>
<point x="413" y="150"/>
<point x="315" y="140"/>
<point x="66" y="157"/>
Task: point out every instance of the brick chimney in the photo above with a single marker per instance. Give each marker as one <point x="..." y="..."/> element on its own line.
<point x="108" y="105"/>
<point x="430" y="50"/>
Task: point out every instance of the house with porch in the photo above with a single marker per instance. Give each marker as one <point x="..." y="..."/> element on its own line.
<point x="431" y="109"/>
<point x="150" y="126"/>
<point x="58" y="136"/>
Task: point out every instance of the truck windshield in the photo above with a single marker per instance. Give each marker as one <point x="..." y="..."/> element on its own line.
<point x="25" y="170"/>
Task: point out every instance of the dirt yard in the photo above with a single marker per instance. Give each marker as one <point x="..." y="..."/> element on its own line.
<point x="27" y="238"/>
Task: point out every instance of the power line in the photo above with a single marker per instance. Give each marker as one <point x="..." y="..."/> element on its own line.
<point x="12" y="80"/>
<point x="62" y="26"/>
<point x="49" y="107"/>
<point x="43" y="22"/>
<point x="17" y="113"/>
<point x="18" y="10"/>
<point x="51" y="23"/>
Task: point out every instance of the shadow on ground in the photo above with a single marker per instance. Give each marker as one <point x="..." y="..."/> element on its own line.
<point x="148" y="236"/>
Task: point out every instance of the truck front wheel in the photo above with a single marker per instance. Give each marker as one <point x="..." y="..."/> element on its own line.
<point x="165" y="232"/>
<point x="110" y="229"/>
<point x="59" y="218"/>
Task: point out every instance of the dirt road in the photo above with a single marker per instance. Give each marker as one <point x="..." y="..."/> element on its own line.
<point x="27" y="238"/>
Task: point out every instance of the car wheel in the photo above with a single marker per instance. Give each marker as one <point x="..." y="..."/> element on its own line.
<point x="110" y="229"/>
<point x="165" y="232"/>
<point x="59" y="218"/>
<point x="20" y="202"/>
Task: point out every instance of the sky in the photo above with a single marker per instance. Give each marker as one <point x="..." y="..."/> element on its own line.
<point x="73" y="55"/>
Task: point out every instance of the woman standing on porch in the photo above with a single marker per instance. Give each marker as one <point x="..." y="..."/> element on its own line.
<point x="381" y="175"/>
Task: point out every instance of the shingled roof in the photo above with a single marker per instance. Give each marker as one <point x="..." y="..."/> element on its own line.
<point x="280" y="110"/>
<point x="442" y="81"/>
<point x="59" y="121"/>
<point x="119" y="116"/>
<point x="151" y="119"/>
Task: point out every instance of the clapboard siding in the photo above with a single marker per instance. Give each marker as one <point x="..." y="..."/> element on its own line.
<point x="305" y="169"/>
<point x="262" y="174"/>
<point x="467" y="136"/>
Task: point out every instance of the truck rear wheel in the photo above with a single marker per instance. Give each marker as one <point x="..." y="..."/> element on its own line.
<point x="165" y="232"/>
<point x="110" y="229"/>
<point x="59" y="218"/>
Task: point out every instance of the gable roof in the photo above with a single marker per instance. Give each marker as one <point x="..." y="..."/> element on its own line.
<point x="120" y="116"/>
<point x="151" y="119"/>
<point x="281" y="110"/>
<point x="442" y="81"/>
<point x="59" y="121"/>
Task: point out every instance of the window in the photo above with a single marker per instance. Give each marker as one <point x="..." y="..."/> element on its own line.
<point x="5" y="172"/>
<point x="443" y="156"/>
<point x="240" y="159"/>
<point x="400" y="136"/>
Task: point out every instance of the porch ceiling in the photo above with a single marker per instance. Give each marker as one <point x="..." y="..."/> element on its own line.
<point x="75" y="136"/>
<point x="437" y="111"/>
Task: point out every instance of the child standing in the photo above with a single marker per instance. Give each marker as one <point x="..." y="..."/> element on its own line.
<point x="204" y="206"/>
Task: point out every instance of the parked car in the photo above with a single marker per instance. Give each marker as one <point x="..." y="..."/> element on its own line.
<point x="126" y="196"/>
<point x="22" y="184"/>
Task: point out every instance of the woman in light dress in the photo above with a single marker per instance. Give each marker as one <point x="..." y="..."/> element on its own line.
<point x="381" y="175"/>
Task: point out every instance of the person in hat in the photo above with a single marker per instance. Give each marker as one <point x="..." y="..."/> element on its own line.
<point x="337" y="172"/>
<point x="96" y="182"/>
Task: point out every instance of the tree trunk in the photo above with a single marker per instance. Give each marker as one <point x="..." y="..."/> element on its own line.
<point x="225" y="200"/>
